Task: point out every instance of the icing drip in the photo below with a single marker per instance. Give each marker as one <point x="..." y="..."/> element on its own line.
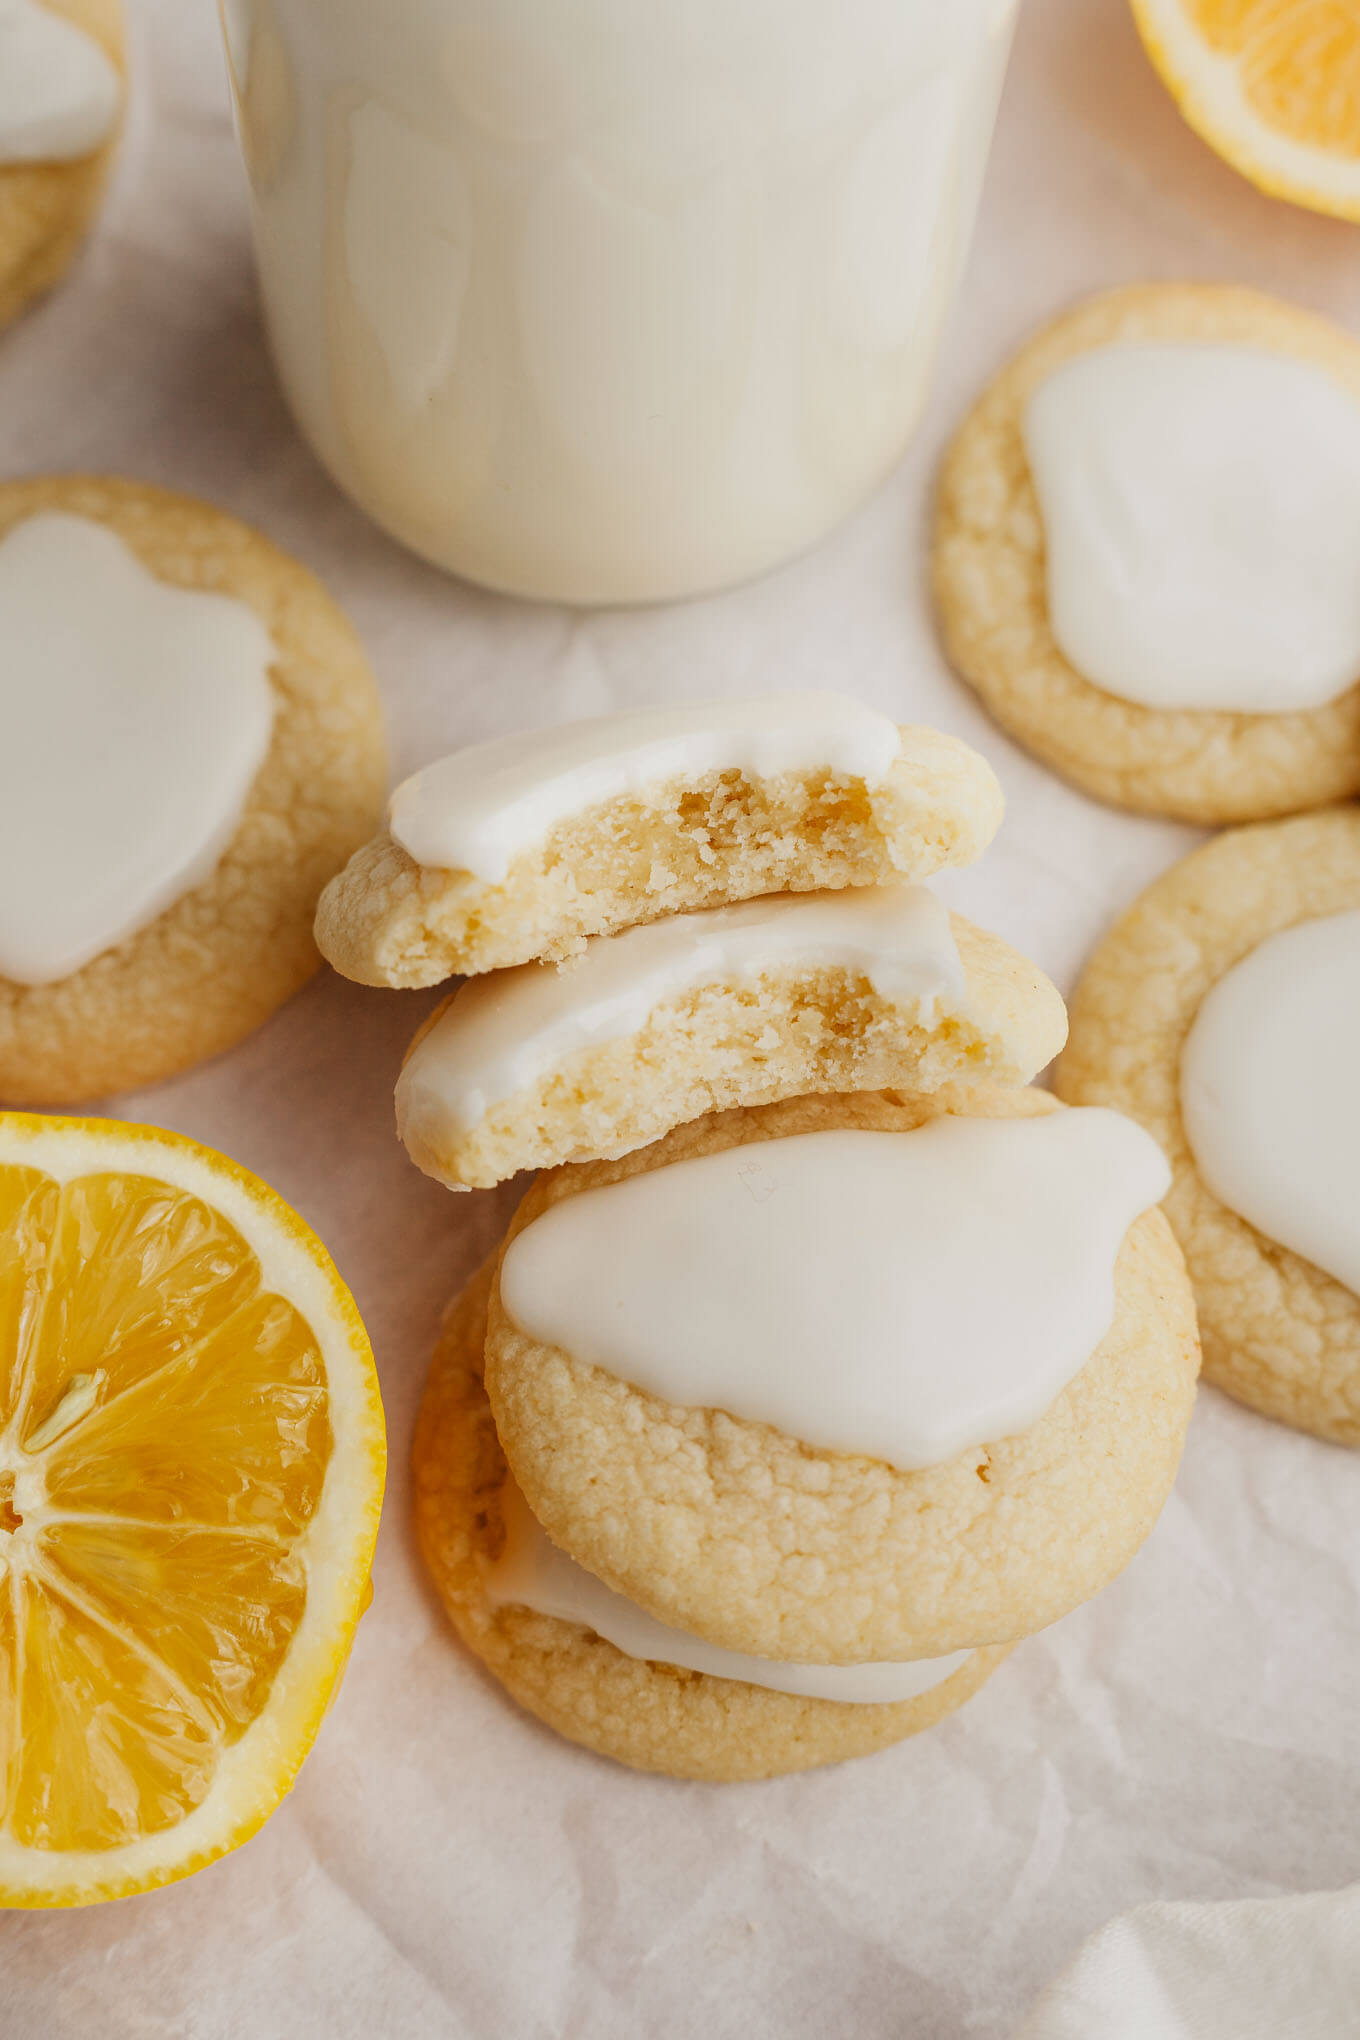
<point x="532" y="1573"/>
<point x="1270" y="1091"/>
<point x="901" y="1295"/>
<point x="134" y="719"/>
<point x="1201" y="512"/>
<point x="480" y="808"/>
<point x="59" y="91"/>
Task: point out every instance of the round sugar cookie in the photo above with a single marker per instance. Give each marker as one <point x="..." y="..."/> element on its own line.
<point x="223" y="956"/>
<point x="989" y="579"/>
<point x="1278" y="1333"/>
<point x="655" y="1717"/>
<point x="46" y="208"/>
<point x="738" y="1533"/>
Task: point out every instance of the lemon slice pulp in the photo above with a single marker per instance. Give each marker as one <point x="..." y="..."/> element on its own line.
<point x="1272" y="85"/>
<point x="191" y="1466"/>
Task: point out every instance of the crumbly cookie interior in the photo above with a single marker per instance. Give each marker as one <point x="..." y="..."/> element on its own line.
<point x="675" y="848"/>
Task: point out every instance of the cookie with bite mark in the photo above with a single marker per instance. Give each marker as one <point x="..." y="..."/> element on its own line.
<point x="598" y="831"/>
<point x="807" y="992"/>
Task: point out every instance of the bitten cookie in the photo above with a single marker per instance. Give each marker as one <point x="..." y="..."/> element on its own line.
<point x="1143" y="546"/>
<point x="846" y="991"/>
<point x="650" y="1714"/>
<point x="1215" y="945"/>
<point x="522" y="847"/>
<point x="61" y="99"/>
<point x="183" y="773"/>
<point x="744" y="1534"/>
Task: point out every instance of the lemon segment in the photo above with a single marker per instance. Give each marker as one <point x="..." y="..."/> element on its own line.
<point x="191" y="1468"/>
<point x="1272" y="85"/>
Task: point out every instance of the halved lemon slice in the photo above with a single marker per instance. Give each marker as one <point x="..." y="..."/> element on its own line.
<point x="1272" y="85"/>
<point x="191" y="1472"/>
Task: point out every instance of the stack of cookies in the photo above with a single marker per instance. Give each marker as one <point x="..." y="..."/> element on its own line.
<point x="824" y="1359"/>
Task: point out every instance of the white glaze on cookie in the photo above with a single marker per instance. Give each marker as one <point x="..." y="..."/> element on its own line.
<point x="133" y="720"/>
<point x="504" y="1031"/>
<point x="1201" y="513"/>
<point x="901" y="1295"/>
<point x="479" y="809"/>
<point x="1270" y="1091"/>
<point x="59" y="91"/>
<point x="531" y="1572"/>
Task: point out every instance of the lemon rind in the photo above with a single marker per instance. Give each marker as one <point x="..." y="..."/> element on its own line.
<point x="1207" y="89"/>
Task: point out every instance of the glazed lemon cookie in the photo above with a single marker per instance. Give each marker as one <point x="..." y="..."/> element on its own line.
<point x="842" y="991"/>
<point x="1223" y="1013"/>
<point x="61" y="98"/>
<point x="193" y="744"/>
<point x="843" y="1379"/>
<point x="1144" y="552"/>
<point x="597" y="1668"/>
<point x="520" y="848"/>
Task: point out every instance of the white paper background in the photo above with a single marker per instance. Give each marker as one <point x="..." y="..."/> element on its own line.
<point x="445" y="1867"/>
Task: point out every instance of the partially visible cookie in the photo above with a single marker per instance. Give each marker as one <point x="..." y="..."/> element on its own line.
<point x="856" y="990"/>
<point x="990" y="575"/>
<point x="650" y="1715"/>
<point x="740" y="1533"/>
<point x="1278" y="1332"/>
<point x="47" y="201"/>
<point x="706" y="812"/>
<point x="224" y="954"/>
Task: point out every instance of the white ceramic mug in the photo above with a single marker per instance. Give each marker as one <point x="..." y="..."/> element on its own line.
<point x="611" y="300"/>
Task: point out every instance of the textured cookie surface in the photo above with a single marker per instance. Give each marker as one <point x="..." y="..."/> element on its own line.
<point x="736" y="1532"/>
<point x="749" y="1044"/>
<point x="1278" y="1333"/>
<point x="989" y="575"/>
<point x="225" y="955"/>
<point x="655" y="1717"/>
<point x="387" y="920"/>
<point x="46" y="208"/>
